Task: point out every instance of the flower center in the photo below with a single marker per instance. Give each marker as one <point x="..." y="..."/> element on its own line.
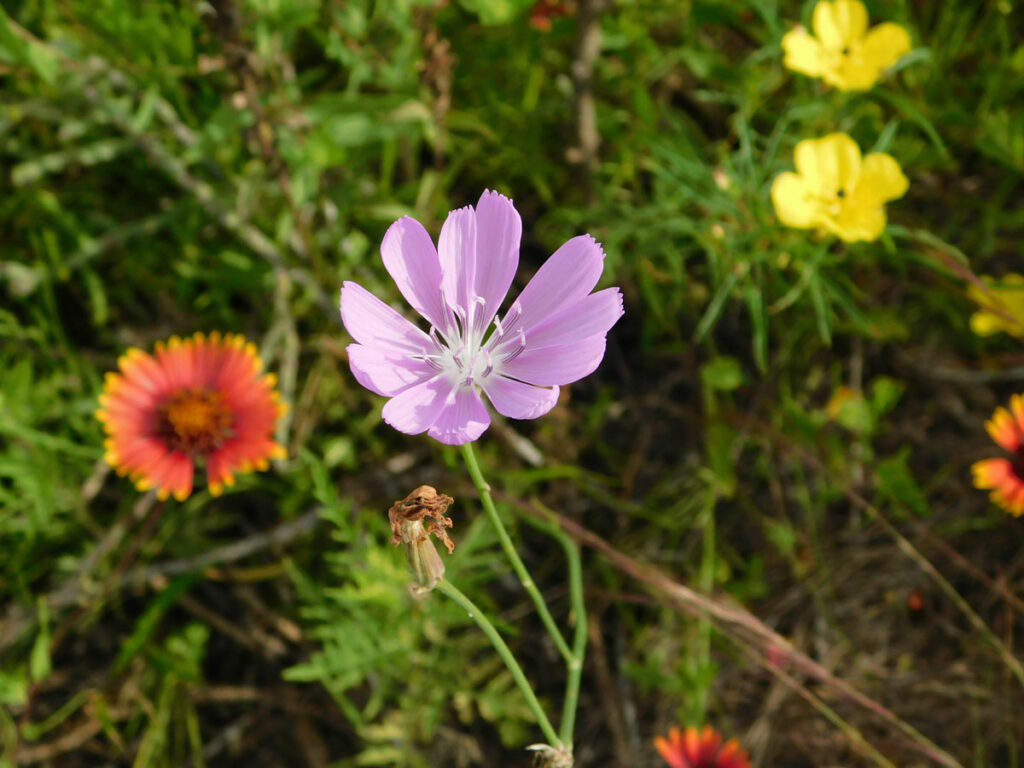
<point x="1017" y="463"/>
<point x="468" y="351"/>
<point x="194" y="420"/>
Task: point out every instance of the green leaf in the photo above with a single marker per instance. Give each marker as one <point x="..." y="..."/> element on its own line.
<point x="759" y="324"/>
<point x="147" y="107"/>
<point x="915" y="115"/>
<point x="716" y="306"/>
<point x="720" y="441"/>
<point x="820" y="310"/>
<point x="856" y="415"/>
<point x="44" y="62"/>
<point x="39" y="57"/>
<point x="885" y="393"/>
<point x="492" y="12"/>
<point x="781" y="534"/>
<point x="39" y="662"/>
<point x="896" y="481"/>
<point x="150" y="620"/>
<point x="723" y="374"/>
<point x="13" y="687"/>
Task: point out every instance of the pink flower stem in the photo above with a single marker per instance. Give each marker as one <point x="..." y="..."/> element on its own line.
<point x="506" y="655"/>
<point x="484" y="492"/>
<point x="549" y="524"/>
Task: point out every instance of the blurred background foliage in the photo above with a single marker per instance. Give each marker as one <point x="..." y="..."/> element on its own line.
<point x="778" y="418"/>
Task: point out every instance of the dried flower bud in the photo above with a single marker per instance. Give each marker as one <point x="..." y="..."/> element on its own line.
<point x="413" y="519"/>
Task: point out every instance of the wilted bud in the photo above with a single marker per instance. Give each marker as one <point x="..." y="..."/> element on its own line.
<point x="413" y="519"/>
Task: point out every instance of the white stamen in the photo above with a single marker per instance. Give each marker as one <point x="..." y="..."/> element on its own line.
<point x="477" y="309"/>
<point x="518" y="350"/>
<point x="467" y="352"/>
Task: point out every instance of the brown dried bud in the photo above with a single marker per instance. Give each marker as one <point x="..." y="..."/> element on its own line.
<point x="413" y="519"/>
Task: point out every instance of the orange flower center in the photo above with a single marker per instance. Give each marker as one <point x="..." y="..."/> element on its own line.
<point x="194" y="421"/>
<point x="1017" y="463"/>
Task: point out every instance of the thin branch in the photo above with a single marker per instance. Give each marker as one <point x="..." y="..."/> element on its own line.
<point x="283" y="534"/>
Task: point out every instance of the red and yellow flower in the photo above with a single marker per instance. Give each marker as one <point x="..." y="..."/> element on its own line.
<point x="1005" y="477"/>
<point x="703" y="748"/>
<point x="202" y="399"/>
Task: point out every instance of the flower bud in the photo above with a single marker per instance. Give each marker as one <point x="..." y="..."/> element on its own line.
<point x="413" y="519"/>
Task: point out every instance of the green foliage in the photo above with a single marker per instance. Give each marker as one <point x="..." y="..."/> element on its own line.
<point x="178" y="166"/>
<point x="171" y="732"/>
<point x="382" y="646"/>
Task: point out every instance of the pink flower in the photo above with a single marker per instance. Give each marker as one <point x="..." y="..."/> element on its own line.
<point x="553" y="334"/>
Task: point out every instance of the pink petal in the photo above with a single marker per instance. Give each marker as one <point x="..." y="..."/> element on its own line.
<point x="372" y="322"/>
<point x="463" y="418"/>
<point x="565" y="278"/>
<point x="498" y="233"/>
<point x="417" y="408"/>
<point x="411" y="260"/>
<point x="518" y="400"/>
<point x="386" y="374"/>
<point x="563" y="364"/>
<point x="593" y="315"/>
<point x="456" y="249"/>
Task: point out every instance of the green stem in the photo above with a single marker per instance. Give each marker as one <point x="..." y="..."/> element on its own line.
<point x="707" y="585"/>
<point x="551" y="527"/>
<point x="579" y="640"/>
<point x="484" y="491"/>
<point x="506" y="655"/>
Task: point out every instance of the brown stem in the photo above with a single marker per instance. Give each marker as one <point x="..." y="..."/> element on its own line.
<point x="588" y="48"/>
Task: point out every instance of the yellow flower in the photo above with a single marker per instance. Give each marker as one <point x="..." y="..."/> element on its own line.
<point x="837" y="191"/>
<point x="1002" y="306"/>
<point x="842" y="51"/>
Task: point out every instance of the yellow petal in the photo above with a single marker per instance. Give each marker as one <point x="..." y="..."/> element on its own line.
<point x="856" y="222"/>
<point x="1009" y="290"/>
<point x="852" y="73"/>
<point x="802" y="53"/>
<point x="795" y="204"/>
<point x="880" y="179"/>
<point x="990" y="473"/>
<point x="986" y="324"/>
<point x="1005" y="296"/>
<point x="1002" y="428"/>
<point x="840" y="24"/>
<point x="884" y="45"/>
<point x="828" y="164"/>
